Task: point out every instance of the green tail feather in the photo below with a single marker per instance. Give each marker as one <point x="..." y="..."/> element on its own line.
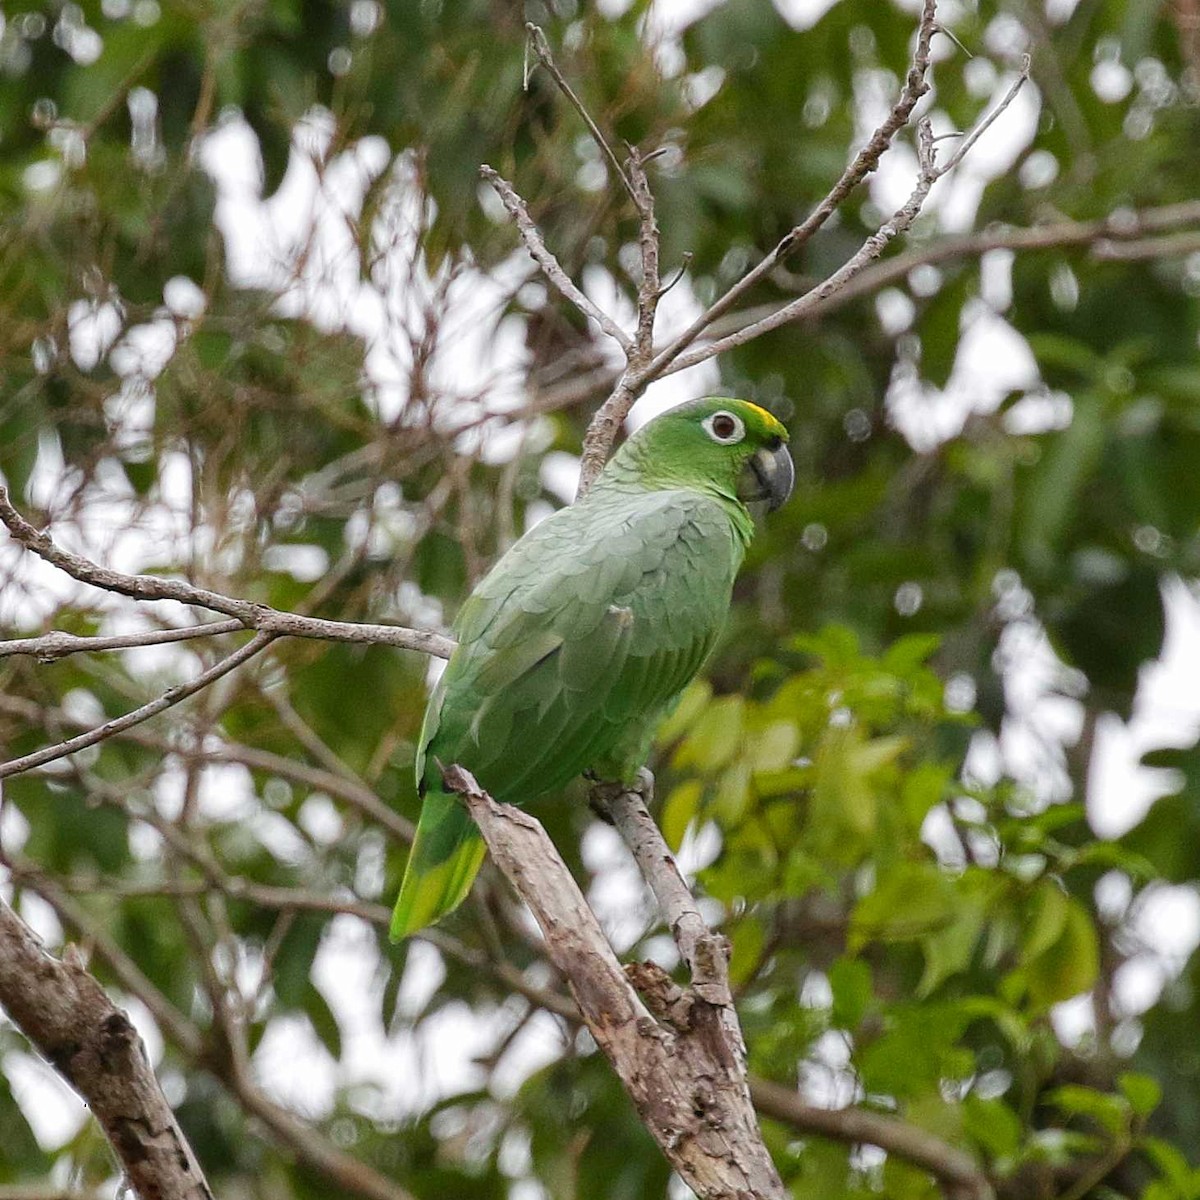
<point x="445" y="858"/>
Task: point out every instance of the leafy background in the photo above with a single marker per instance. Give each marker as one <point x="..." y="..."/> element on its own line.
<point x="260" y="325"/>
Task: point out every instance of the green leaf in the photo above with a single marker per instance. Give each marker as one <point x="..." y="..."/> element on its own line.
<point x="715" y="736"/>
<point x="1107" y="1110"/>
<point x="992" y="1126"/>
<point x="909" y="901"/>
<point x="1048" y="907"/>
<point x="1070" y="965"/>
<point x="774" y="748"/>
<point x="1143" y="1093"/>
<point x="692" y="703"/>
<point x="749" y="937"/>
<point x="680" y="808"/>
<point x="850" y="982"/>
<point x="320" y="1017"/>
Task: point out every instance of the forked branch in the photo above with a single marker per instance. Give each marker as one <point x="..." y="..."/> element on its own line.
<point x="670" y="1049"/>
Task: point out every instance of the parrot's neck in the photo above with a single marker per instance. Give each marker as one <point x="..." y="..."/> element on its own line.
<point x="625" y="477"/>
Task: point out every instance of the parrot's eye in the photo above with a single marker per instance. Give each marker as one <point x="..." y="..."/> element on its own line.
<point x="725" y="428"/>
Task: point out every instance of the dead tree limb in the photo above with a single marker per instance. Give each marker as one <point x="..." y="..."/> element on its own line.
<point x="91" y="1043"/>
<point x="670" y="1049"/>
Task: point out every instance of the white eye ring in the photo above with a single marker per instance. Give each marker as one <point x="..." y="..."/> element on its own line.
<point x="730" y="439"/>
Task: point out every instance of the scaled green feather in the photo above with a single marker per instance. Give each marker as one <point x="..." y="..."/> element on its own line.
<point x="575" y="643"/>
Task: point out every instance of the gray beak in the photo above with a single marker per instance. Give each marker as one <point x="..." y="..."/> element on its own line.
<point x="767" y="478"/>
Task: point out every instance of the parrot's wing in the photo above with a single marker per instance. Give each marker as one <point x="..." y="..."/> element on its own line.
<point x="593" y="622"/>
<point x="568" y="649"/>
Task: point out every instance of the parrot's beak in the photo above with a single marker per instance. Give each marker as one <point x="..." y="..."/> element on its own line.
<point x="767" y="477"/>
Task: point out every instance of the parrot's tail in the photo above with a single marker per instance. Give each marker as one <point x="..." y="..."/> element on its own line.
<point x="445" y="858"/>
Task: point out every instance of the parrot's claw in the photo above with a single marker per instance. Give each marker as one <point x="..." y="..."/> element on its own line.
<point x="603" y="793"/>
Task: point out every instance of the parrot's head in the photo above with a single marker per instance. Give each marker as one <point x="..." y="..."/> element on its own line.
<point x="730" y="446"/>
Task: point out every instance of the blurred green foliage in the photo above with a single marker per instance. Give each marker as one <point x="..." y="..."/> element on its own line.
<point x="904" y="923"/>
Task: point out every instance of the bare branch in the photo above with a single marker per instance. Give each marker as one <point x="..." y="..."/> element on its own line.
<point x="649" y="288"/>
<point x="958" y="1173"/>
<point x="1176" y="246"/>
<point x="900" y="221"/>
<point x="1107" y="239"/>
<point x="252" y="616"/>
<point x="102" y="945"/>
<point x="551" y="268"/>
<point x="541" y="48"/>
<point x="835" y="286"/>
<point x="306" y="1142"/>
<point x="984" y="125"/>
<point x="355" y="794"/>
<point x="172" y="696"/>
<point x="92" y="1044"/>
<point x="606" y="422"/>
<point x="687" y="1087"/>
<point x="50" y="647"/>
<point x="706" y="954"/>
<point x="865" y="161"/>
<point x="1104" y="237"/>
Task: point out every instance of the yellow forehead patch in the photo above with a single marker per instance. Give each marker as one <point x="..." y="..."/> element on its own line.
<point x="772" y="424"/>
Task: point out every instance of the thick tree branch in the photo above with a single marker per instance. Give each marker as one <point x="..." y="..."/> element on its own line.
<point x="258" y="617"/>
<point x="686" y="1083"/>
<point x="302" y="1139"/>
<point x="92" y="1044"/>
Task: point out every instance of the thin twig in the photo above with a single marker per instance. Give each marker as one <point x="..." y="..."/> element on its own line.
<point x="172" y="696"/>
<point x="865" y="161"/>
<point x="836" y="285"/>
<point x="959" y="1173"/>
<point x="706" y="954"/>
<point x="252" y="616"/>
<point x="610" y="416"/>
<point x="357" y="795"/>
<point x="50" y="647"/>
<point x="987" y="122"/>
<point x="551" y="267"/>
<point x="541" y="48"/>
<point x="900" y="221"/>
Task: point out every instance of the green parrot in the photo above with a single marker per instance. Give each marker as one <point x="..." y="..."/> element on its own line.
<point x="579" y="640"/>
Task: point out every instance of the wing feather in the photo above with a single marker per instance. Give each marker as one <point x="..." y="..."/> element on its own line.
<point x="586" y="629"/>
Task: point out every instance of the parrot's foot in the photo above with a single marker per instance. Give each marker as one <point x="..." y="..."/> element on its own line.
<point x="603" y="793"/>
